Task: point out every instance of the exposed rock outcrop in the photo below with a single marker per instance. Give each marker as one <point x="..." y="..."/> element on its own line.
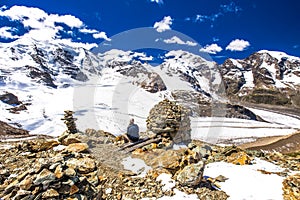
<point x="8" y="130"/>
<point x="264" y="77"/>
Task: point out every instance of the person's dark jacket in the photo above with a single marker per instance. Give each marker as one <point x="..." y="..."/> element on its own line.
<point x="133" y="132"/>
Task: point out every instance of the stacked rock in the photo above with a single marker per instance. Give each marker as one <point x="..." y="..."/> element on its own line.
<point x="170" y="120"/>
<point x="69" y="120"/>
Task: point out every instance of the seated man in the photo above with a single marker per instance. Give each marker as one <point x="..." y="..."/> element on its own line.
<point x="132" y="134"/>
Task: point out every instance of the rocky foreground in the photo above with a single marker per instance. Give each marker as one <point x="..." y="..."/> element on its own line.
<point x="88" y="166"/>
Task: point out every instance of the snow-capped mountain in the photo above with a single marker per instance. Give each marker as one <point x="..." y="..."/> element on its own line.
<point x="268" y="77"/>
<point x="105" y="90"/>
<point x="49" y="77"/>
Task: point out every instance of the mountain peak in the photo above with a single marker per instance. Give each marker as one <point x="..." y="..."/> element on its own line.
<point x="279" y="55"/>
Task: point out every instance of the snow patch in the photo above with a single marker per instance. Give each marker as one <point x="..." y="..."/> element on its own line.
<point x="246" y="182"/>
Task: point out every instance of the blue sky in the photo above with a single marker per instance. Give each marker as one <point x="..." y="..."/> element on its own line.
<point x="224" y="28"/>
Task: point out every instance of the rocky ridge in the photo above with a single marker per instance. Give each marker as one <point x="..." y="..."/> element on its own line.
<point x="68" y="168"/>
<point x="264" y="77"/>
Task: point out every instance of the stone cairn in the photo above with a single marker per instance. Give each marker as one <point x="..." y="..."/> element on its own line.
<point x="170" y="120"/>
<point x="69" y="120"/>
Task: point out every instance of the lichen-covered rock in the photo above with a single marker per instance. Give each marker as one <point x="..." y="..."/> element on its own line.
<point x="206" y="194"/>
<point x="44" y="177"/>
<point x="51" y="193"/>
<point x="169" y="160"/>
<point x="170" y="120"/>
<point x="78" y="147"/>
<point x="83" y="165"/>
<point x="291" y="187"/>
<point x="239" y="158"/>
<point x="191" y="175"/>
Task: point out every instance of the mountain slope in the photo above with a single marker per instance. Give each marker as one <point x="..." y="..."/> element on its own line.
<point x="107" y="89"/>
<point x="264" y="77"/>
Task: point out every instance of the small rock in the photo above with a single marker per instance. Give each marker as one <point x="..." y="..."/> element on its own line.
<point x="74" y="189"/>
<point x="43" y="145"/>
<point x="108" y="191"/>
<point x="45" y="176"/>
<point x="221" y="178"/>
<point x="93" y="178"/>
<point x="71" y="139"/>
<point x="70" y="172"/>
<point x="168" y="160"/>
<point x="84" y="165"/>
<point x="78" y="147"/>
<point x="11" y="187"/>
<point x="26" y="183"/>
<point x="191" y="175"/>
<point x="50" y="193"/>
<point x="58" y="171"/>
<point x="22" y="193"/>
<point x="239" y="158"/>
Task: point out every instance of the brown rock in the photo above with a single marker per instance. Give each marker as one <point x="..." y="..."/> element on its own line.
<point x="191" y="175"/>
<point x="78" y="147"/>
<point x="84" y="165"/>
<point x="21" y="193"/>
<point x="26" y="183"/>
<point x="70" y="140"/>
<point x="44" y="177"/>
<point x="43" y="145"/>
<point x="239" y="158"/>
<point x="74" y="189"/>
<point x="58" y="172"/>
<point x="70" y="172"/>
<point x="50" y="193"/>
<point x="167" y="159"/>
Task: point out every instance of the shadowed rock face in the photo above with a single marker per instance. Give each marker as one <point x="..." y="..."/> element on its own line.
<point x="199" y="105"/>
<point x="141" y="76"/>
<point x="6" y="129"/>
<point x="10" y="99"/>
<point x="262" y="78"/>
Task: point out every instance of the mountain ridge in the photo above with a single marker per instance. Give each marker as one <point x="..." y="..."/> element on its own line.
<point x="47" y="75"/>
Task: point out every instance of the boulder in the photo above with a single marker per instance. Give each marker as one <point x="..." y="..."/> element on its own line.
<point x="10" y="99"/>
<point x="83" y="165"/>
<point x="191" y="175"/>
<point x="78" y="147"/>
<point x="44" y="177"/>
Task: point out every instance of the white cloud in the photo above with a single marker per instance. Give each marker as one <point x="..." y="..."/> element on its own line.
<point x="177" y="40"/>
<point x="158" y="1"/>
<point x="43" y="26"/>
<point x="101" y="35"/>
<point x="69" y="20"/>
<point x="212" y="17"/>
<point x="44" y="34"/>
<point x="238" y="45"/>
<point x="190" y="43"/>
<point x="78" y="44"/>
<point x="37" y="18"/>
<point x="6" y="33"/>
<point x="142" y="56"/>
<point x="85" y="30"/>
<point x="164" y="24"/>
<point x="211" y="49"/>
